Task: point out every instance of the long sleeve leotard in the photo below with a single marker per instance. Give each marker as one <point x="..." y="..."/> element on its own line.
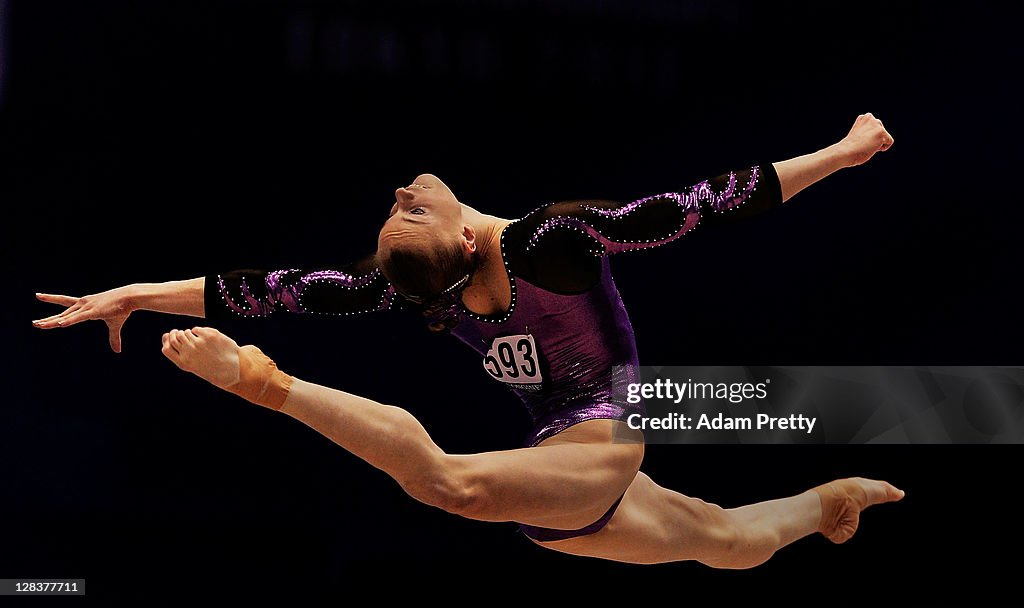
<point x="565" y="338"/>
<point x="348" y="289"/>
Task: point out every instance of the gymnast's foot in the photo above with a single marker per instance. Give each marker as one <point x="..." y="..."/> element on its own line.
<point x="216" y="358"/>
<point x="843" y="500"/>
<point x="205" y="352"/>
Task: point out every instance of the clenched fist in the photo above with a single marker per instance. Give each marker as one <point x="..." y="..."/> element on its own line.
<point x="867" y="136"/>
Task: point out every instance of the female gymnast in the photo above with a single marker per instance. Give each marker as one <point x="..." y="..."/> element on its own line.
<point x="535" y="298"/>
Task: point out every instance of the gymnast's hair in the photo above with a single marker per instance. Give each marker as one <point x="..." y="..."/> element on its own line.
<point x="432" y="278"/>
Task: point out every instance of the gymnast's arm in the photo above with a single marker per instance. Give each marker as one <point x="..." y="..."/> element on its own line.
<point x="611" y="227"/>
<point x="561" y="244"/>
<point x="344" y="290"/>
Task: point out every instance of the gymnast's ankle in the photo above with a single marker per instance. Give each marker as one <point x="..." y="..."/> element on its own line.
<point x="259" y="379"/>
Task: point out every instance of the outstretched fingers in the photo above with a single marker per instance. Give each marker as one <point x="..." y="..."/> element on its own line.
<point x="58" y="320"/>
<point x="73" y="318"/>
<point x="56" y="299"/>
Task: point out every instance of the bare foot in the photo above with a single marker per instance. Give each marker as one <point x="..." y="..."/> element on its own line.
<point x="843" y="500"/>
<point x="205" y="352"/>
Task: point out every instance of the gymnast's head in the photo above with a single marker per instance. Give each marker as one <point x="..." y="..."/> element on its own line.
<point x="425" y="249"/>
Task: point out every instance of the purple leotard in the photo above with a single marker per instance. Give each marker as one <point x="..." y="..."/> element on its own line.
<point x="566" y="331"/>
<point x="557" y="351"/>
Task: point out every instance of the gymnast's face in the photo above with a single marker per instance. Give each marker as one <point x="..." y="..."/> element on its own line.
<point x="425" y="213"/>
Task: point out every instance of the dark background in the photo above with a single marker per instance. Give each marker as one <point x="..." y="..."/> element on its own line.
<point x="141" y="139"/>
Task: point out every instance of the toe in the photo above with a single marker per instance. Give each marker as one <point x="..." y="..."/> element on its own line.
<point x="169" y="351"/>
<point x="878" y="491"/>
<point x="892" y="493"/>
<point x="212" y="332"/>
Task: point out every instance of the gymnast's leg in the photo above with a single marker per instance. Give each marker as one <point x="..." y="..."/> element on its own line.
<point x="567" y="483"/>
<point x="654" y="525"/>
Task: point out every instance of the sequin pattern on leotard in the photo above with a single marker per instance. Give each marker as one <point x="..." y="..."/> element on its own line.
<point x="353" y="289"/>
<point x="685" y="210"/>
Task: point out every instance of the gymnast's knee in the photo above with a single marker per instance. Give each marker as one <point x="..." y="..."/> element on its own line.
<point x="448" y="485"/>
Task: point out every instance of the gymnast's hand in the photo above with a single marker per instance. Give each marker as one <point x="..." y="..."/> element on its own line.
<point x="112" y="307"/>
<point x="865" y="138"/>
